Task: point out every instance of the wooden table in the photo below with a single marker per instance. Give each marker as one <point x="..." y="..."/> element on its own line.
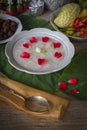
<point x="75" y="117"/>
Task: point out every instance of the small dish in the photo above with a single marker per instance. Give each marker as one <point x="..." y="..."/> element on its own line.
<point x="53" y="16"/>
<point x="23" y="53"/>
<point x="19" y="26"/>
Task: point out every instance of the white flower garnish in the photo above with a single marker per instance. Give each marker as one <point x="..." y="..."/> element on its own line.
<point x="40" y="50"/>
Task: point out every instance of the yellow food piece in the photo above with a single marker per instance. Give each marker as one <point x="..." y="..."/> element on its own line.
<point x="69" y="31"/>
<point x="76" y="34"/>
<point x="71" y="24"/>
<point x="66" y="15"/>
<point x="83" y="13"/>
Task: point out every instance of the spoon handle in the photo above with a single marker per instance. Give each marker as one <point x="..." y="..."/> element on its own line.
<point x="22" y="89"/>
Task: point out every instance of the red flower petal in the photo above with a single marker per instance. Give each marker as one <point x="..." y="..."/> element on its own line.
<point x="74" y="91"/>
<point x="45" y="39"/>
<point x="56" y="45"/>
<point x="62" y="85"/>
<point x="26" y="45"/>
<point x="58" y="54"/>
<point x="73" y="81"/>
<point x="41" y="61"/>
<point x="25" y="55"/>
<point x="33" y="39"/>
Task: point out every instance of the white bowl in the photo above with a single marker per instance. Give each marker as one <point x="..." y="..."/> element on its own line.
<point x="19" y="28"/>
<point x="67" y="49"/>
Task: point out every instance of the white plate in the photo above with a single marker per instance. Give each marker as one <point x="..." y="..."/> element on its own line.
<point x="53" y="16"/>
<point x="19" y="28"/>
<point x="12" y="52"/>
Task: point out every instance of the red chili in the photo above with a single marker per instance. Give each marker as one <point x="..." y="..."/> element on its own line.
<point x="84" y="21"/>
<point x="80" y="29"/>
<point x="76" y="22"/>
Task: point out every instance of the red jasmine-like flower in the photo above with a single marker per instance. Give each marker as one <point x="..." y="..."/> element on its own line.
<point x="26" y="45"/>
<point x="10" y="12"/>
<point x="62" y="85"/>
<point x="56" y="45"/>
<point x="33" y="39"/>
<point x="45" y="39"/>
<point x="41" y="61"/>
<point x="74" y="91"/>
<point x="58" y="54"/>
<point x="25" y="7"/>
<point x="25" y="55"/>
<point x="73" y="81"/>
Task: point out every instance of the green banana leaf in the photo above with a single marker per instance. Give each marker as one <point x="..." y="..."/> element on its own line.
<point x="31" y="21"/>
<point x="83" y="3"/>
<point x="48" y="82"/>
<point x="77" y="69"/>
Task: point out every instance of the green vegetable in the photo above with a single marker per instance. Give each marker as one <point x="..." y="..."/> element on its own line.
<point x="69" y="31"/>
<point x="67" y="14"/>
<point x="83" y="3"/>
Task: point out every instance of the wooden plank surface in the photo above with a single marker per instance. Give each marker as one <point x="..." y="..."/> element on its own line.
<point x="74" y="119"/>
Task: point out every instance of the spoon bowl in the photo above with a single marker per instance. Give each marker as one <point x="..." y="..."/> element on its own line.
<point x="38" y="104"/>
